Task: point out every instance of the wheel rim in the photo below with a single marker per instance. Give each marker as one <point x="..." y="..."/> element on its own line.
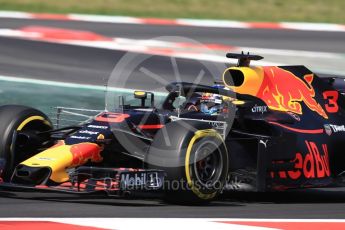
<point x="208" y="164"/>
<point x="38" y="123"/>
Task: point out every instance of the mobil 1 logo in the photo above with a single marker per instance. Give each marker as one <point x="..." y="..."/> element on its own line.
<point x="144" y="180"/>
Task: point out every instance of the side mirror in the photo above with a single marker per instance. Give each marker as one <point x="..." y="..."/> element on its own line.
<point x="140" y="95"/>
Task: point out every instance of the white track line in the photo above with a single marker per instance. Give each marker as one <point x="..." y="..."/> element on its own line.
<point x="69" y="85"/>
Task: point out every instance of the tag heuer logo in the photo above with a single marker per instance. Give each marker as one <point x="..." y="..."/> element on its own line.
<point x="328" y="129"/>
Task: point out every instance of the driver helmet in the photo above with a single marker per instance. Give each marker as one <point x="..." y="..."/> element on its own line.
<point x="210" y="103"/>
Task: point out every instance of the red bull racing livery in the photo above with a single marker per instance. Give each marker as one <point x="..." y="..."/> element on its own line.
<point x="261" y="129"/>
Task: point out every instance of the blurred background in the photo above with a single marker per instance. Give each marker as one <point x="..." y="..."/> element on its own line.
<point x="244" y="10"/>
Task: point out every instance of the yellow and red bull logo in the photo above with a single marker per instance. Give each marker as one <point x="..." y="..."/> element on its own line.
<point x="278" y="88"/>
<point x="60" y="157"/>
<point x="282" y="90"/>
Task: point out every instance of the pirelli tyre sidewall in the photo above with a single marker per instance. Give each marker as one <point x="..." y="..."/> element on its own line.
<point x="192" y="147"/>
<point x="18" y="118"/>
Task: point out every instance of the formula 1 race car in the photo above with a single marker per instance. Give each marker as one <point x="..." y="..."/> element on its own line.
<point x="260" y="129"/>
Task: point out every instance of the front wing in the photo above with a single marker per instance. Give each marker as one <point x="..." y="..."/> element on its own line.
<point x="119" y="182"/>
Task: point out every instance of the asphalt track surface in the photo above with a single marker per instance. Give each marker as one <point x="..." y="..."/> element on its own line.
<point x="93" y="66"/>
<point x="85" y="65"/>
<point x="312" y="203"/>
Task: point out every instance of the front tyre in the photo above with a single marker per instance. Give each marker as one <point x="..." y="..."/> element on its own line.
<point x="15" y="118"/>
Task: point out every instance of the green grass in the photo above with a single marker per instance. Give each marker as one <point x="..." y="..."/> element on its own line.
<point x="246" y="10"/>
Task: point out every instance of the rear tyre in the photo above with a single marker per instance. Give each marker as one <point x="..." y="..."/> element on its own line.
<point x="18" y="118"/>
<point x="195" y="159"/>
